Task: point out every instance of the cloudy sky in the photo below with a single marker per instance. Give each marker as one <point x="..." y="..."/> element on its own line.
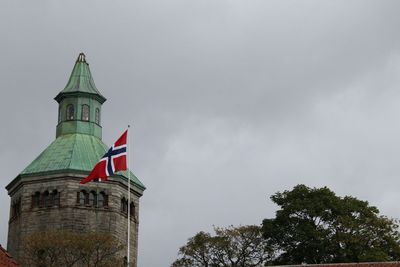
<point x="231" y="101"/>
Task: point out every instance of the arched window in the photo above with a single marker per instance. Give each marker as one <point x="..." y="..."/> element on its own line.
<point x="55" y="198"/>
<point x="16" y="208"/>
<point x="50" y="203"/>
<point x="36" y="200"/>
<point x="132" y="209"/>
<point x="124" y="205"/>
<point x="100" y="200"/>
<point x="92" y="198"/>
<point x="85" y="113"/>
<point x="105" y="200"/>
<point x="97" y="116"/>
<point x="82" y="198"/>
<point x="70" y="112"/>
<point x="46" y="199"/>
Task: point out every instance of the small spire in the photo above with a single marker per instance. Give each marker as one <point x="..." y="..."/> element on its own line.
<point x="81" y="58"/>
<point x="81" y="81"/>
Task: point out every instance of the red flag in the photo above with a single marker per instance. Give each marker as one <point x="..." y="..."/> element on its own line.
<point x="113" y="161"/>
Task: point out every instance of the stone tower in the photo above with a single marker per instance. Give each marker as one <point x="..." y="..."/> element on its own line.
<point x="47" y="195"/>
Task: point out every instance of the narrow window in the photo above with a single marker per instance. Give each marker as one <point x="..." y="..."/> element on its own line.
<point x="50" y="203"/>
<point x="55" y="198"/>
<point x="14" y="210"/>
<point x="46" y="198"/>
<point x="100" y="200"/>
<point x="123" y="206"/>
<point x="92" y="199"/>
<point x="87" y="198"/>
<point x="105" y="200"/>
<point x="70" y="112"/>
<point x="85" y="113"/>
<point x="97" y="116"/>
<point x="132" y="209"/>
<point x="82" y="197"/>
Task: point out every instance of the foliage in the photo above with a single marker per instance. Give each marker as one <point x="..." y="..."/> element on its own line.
<point x="313" y="225"/>
<point x="230" y="247"/>
<point x="68" y="249"/>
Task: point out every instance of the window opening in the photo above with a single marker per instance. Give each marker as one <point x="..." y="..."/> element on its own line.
<point x="132" y="209"/>
<point x="92" y="198"/>
<point x="46" y="199"/>
<point x="100" y="200"/>
<point x="70" y="112"/>
<point x="97" y="116"/>
<point x="55" y="198"/>
<point x="124" y="205"/>
<point x="85" y="113"/>
<point x="82" y="198"/>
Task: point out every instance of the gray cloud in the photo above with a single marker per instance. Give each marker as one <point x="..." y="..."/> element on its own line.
<point x="231" y="101"/>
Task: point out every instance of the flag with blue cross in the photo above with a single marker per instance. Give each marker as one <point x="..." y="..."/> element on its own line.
<point x="113" y="161"/>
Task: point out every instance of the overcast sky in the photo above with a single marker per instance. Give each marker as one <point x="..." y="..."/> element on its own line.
<point x="231" y="101"/>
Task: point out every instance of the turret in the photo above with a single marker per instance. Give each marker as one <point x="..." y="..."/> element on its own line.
<point x="80" y="103"/>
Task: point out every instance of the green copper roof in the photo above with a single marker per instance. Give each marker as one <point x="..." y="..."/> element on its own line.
<point x="80" y="81"/>
<point x="71" y="152"/>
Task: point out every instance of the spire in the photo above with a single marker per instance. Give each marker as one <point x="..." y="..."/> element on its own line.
<point x="81" y="82"/>
<point x="79" y="103"/>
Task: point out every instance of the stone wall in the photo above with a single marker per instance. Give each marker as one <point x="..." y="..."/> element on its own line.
<point x="70" y="215"/>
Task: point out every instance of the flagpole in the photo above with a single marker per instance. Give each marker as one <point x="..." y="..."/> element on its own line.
<point x="129" y="197"/>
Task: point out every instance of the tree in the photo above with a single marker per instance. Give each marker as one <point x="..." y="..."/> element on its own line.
<point x="313" y="225"/>
<point x="68" y="249"/>
<point x="242" y="246"/>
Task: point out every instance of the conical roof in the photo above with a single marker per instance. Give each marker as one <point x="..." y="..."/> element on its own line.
<point x="80" y="81"/>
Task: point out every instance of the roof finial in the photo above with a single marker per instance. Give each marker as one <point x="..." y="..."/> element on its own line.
<point x="81" y="58"/>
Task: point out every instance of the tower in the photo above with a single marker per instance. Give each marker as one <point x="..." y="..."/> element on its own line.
<point x="47" y="195"/>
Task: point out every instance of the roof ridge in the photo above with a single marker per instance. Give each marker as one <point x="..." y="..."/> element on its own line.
<point x="75" y="136"/>
<point x="38" y="156"/>
<point x="94" y="147"/>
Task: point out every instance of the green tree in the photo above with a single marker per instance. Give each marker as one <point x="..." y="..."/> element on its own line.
<point x="68" y="249"/>
<point x="313" y="225"/>
<point x="241" y="246"/>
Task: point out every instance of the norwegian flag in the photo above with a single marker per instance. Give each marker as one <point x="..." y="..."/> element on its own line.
<point x="113" y="161"/>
